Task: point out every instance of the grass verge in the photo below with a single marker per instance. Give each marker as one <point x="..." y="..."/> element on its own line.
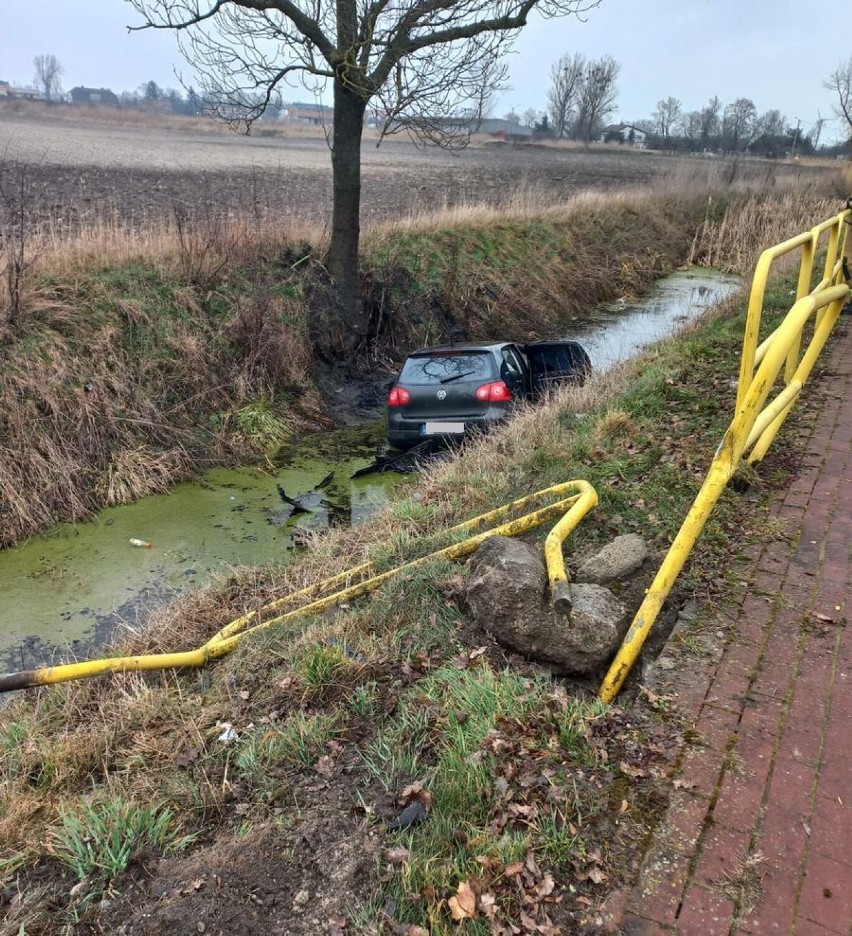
<point x="536" y="799"/>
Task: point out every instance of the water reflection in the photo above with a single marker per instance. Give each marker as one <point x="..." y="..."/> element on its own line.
<point x="615" y="331"/>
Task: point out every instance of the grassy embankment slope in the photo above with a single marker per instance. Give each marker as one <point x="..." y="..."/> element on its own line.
<point x="535" y="793"/>
<point x="127" y="366"/>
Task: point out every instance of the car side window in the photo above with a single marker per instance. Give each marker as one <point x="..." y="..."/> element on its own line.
<point x="511" y="364"/>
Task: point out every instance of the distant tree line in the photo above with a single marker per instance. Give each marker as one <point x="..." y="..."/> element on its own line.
<point x="583" y="94"/>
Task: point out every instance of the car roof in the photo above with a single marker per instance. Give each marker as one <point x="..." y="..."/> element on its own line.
<point x="462" y="346"/>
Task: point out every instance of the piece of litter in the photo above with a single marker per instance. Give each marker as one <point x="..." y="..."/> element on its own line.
<point x="228" y="734"/>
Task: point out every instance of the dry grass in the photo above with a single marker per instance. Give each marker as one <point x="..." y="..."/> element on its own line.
<point x="743" y="883"/>
<point x="747" y="228"/>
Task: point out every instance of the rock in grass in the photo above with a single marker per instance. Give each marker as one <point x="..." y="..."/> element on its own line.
<point x="509" y="597"/>
<point x="616" y="561"/>
<point x="412" y="815"/>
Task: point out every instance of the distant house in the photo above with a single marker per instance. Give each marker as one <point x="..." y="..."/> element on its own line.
<point x="624" y="133"/>
<point x="94" y="96"/>
<point x="495" y="127"/>
<point x="503" y="129"/>
<point x="317" y="115"/>
<point x="12" y="93"/>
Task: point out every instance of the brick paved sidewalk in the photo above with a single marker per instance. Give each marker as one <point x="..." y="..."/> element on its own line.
<point x="758" y="834"/>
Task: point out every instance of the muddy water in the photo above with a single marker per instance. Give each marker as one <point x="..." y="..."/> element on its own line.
<point x="64" y="592"/>
<point x="67" y="590"/>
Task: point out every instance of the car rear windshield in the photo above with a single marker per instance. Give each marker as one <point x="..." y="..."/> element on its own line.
<point x="447" y="367"/>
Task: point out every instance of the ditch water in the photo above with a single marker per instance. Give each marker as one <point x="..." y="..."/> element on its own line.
<point x="65" y="591"/>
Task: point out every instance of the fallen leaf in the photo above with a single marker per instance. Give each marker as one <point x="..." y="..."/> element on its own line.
<point x="463" y="904"/>
<point x="546" y="887"/>
<point x="325" y="766"/>
<point x="681" y="784"/>
<point x="624" y="806"/>
<point x="398" y="855"/>
<point x="198" y="883"/>
<point x="597" y="875"/>
<point x="513" y="869"/>
<point x="488" y="905"/>
<point x="416" y="792"/>
<point x="630" y="771"/>
<point x="244" y="695"/>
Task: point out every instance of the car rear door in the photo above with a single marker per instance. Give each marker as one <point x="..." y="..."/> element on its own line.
<point x="556" y="362"/>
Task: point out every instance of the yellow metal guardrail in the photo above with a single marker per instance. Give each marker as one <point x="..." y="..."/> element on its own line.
<point x="353" y="583"/>
<point x="755" y="424"/>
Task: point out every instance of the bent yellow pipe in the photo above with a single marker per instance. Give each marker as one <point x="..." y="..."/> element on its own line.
<point x="556" y="573"/>
<point x="574" y="508"/>
<point x="725" y="462"/>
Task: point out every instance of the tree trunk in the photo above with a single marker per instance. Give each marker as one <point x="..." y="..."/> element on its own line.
<point x="342" y="260"/>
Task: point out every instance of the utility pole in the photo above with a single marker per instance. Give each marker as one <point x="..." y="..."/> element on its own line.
<point x="795" y="138"/>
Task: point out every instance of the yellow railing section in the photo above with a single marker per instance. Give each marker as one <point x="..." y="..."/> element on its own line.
<point x="576" y="499"/>
<point x="756" y="422"/>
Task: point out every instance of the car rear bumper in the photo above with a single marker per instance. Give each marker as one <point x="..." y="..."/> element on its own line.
<point x="404" y="433"/>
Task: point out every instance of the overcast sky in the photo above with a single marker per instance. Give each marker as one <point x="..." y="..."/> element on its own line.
<point x="775" y="52"/>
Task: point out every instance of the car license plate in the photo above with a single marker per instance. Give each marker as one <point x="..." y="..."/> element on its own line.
<point x="438" y="428"/>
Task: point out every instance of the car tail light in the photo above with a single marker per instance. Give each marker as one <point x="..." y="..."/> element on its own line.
<point x="398" y="396"/>
<point x="496" y="392"/>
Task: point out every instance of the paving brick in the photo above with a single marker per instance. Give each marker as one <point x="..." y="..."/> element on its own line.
<point x="722" y="852"/>
<point x="701" y="769"/>
<point x="831" y="829"/>
<point x="739" y="802"/>
<point x="762" y="717"/>
<point x="633" y="925"/>
<point x="782" y="840"/>
<point x="683" y="822"/>
<point x="826" y="896"/>
<point x="791" y="787"/>
<point x="717" y="724"/>
<point x="808" y="928"/>
<point x="662" y="880"/>
<point x="741" y="658"/>
<point x="707" y="912"/>
<point x="775" y="907"/>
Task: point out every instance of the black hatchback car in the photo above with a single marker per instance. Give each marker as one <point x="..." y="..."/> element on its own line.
<point x="453" y="390"/>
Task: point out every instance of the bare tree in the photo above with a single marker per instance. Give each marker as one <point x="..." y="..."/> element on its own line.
<point x="816" y="130"/>
<point x="690" y="128"/>
<point x="597" y="96"/>
<point x="772" y="123"/>
<point x="840" y="81"/>
<point x="566" y="76"/>
<point x="48" y="72"/>
<point x="738" y="124"/>
<point x="421" y="62"/>
<point x="709" y="118"/>
<point x="530" y="117"/>
<point x="666" y="117"/>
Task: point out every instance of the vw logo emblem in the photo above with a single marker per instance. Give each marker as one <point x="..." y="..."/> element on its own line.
<point x="442" y="394"/>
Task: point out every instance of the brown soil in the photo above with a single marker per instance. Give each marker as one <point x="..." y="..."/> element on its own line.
<point x="259" y="883"/>
<point x="78" y="174"/>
